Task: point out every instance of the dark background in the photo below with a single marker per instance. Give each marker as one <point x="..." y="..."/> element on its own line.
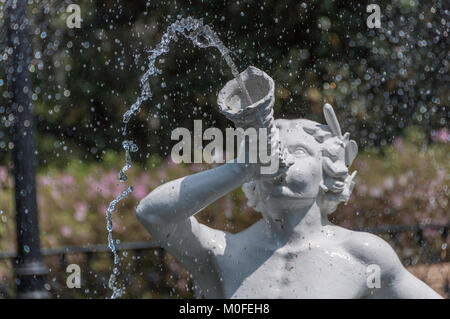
<point x="380" y="81"/>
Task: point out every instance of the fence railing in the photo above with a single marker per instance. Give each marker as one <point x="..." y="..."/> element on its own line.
<point x="393" y="231"/>
<point x="90" y="249"/>
<point x="416" y="238"/>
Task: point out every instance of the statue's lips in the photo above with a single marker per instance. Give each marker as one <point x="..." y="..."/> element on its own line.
<point x="284" y="191"/>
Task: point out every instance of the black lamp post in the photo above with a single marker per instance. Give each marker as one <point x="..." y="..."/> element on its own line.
<point x="29" y="267"/>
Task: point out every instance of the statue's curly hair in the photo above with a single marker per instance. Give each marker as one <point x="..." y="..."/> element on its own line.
<point x="338" y="154"/>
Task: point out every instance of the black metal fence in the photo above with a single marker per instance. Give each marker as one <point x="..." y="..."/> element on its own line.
<point x="413" y="244"/>
<point x="148" y="271"/>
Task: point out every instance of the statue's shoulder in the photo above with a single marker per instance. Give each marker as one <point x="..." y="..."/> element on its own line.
<point x="370" y="249"/>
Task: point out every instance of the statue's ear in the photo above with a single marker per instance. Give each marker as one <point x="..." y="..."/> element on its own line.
<point x="329" y="201"/>
<point x="351" y="150"/>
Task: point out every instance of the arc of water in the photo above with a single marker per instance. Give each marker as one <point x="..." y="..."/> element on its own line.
<point x="202" y="36"/>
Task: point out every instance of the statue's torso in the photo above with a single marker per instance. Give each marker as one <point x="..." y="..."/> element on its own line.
<point x="318" y="267"/>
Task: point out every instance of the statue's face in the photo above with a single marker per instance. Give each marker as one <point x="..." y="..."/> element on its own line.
<point x="303" y="178"/>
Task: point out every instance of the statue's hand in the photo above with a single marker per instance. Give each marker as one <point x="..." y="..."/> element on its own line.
<point x="259" y="166"/>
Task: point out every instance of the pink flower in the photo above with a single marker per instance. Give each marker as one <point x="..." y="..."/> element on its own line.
<point x="140" y="191"/>
<point x="117" y="226"/>
<point x="398" y="144"/>
<point x="44" y="181"/>
<point x="102" y="210"/>
<point x="118" y="189"/>
<point x="140" y="187"/>
<point x="55" y="194"/>
<point x="81" y="210"/>
<point x="170" y="163"/>
<point x="108" y="186"/>
<point x="362" y="189"/>
<point x="397" y="201"/>
<point x="403" y="180"/>
<point x="3" y="174"/>
<point x="376" y="192"/>
<point x="389" y="183"/>
<point x="67" y="180"/>
<point x="442" y="135"/>
<point x="65" y="231"/>
<point x="93" y="187"/>
<point x="104" y="186"/>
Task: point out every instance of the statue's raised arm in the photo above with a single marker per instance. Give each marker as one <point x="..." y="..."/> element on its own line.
<point x="167" y="212"/>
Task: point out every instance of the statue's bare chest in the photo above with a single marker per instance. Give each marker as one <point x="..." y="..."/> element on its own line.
<point x="301" y="271"/>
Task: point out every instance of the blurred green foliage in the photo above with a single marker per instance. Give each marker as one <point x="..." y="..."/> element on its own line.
<point x="380" y="81"/>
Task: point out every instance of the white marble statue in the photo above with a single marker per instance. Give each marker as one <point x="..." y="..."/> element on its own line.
<point x="293" y="251"/>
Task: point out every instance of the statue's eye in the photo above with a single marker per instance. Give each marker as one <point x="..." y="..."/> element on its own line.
<point x="299" y="151"/>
